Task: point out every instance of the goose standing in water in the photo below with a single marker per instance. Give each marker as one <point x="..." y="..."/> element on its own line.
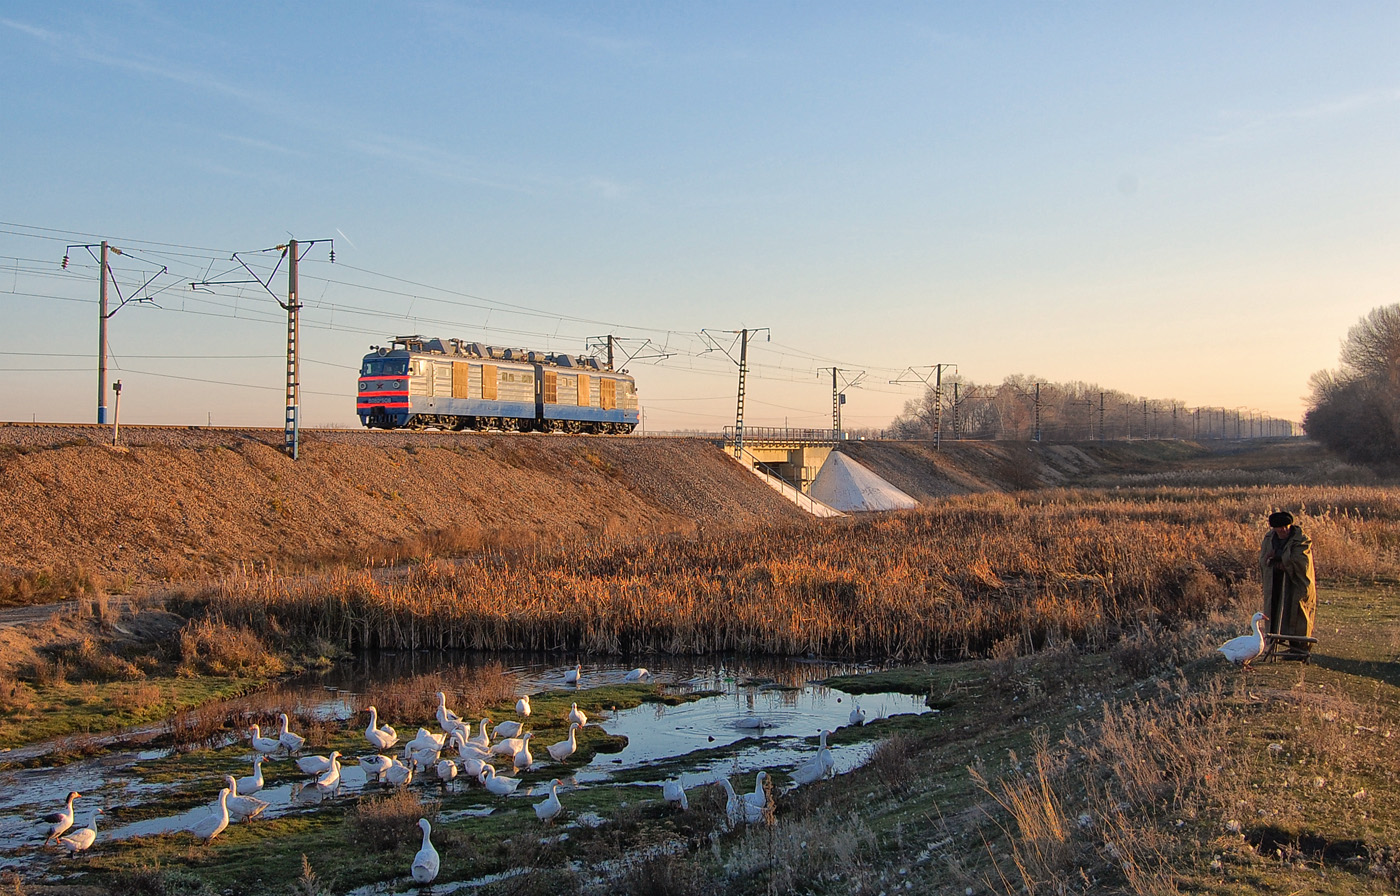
<point x="574" y="676"/>
<point x="545" y="811"/>
<point x="61" y="820"/>
<point x="82" y="838"/>
<point x="293" y="742"/>
<point x="577" y="715"/>
<point x="1246" y="648"/>
<point x="213" y="824"/>
<point x="330" y="778"/>
<point x="637" y="675"/>
<point x="566" y="747"/>
<point x="446" y="770"/>
<point x="242" y="808"/>
<point x="375" y="766"/>
<point x="426" y="862"/>
<point x="315" y="765"/>
<point x="398" y="774"/>
<point x="381" y="737"/>
<point x="254" y="782"/>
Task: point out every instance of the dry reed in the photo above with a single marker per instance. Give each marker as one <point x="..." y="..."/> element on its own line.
<point x="935" y="582"/>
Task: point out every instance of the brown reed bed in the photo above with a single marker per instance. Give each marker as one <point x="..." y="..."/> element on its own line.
<point x="936" y="582"/>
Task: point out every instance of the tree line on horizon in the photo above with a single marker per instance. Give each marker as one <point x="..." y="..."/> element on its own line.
<point x="1355" y="410"/>
<point x="1022" y="408"/>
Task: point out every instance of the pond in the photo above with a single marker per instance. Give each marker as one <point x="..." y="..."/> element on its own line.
<point x="768" y="712"/>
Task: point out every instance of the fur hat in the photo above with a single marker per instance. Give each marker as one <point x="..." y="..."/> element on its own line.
<point x="1280" y="518"/>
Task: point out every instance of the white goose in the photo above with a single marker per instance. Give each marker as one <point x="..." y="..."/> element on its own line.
<point x="263" y="744"/>
<point x="508" y="747"/>
<point x="375" y="766"/>
<point x="381" y="737"/>
<point x="566" y="747"/>
<point x="523" y="758"/>
<point x="330" y="778"/>
<point x="82" y="838"/>
<point x="293" y="742"/>
<point x="637" y="675"/>
<point x="574" y="675"/>
<point x="398" y="774"/>
<point x="472" y="765"/>
<point x="213" y="824"/>
<point x="857" y="716"/>
<point x="254" y="782"/>
<point x="467" y="749"/>
<point x="315" y="765"/>
<point x="61" y="820"/>
<point x="427" y="740"/>
<point x="500" y="785"/>
<point x="522" y="706"/>
<point x="508" y="729"/>
<point x="483" y="740"/>
<point x="426" y="862"/>
<point x="674" y="792"/>
<point x="817" y="767"/>
<point x="446" y="717"/>
<point x="759" y="797"/>
<point x="578" y="715"/>
<point x="550" y="807"/>
<point x="1246" y="648"/>
<point x="446" y="770"/>
<point x="425" y="756"/>
<point x="242" y="807"/>
<point x="738" y="810"/>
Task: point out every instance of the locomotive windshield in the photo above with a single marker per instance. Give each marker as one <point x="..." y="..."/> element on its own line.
<point x="385" y="367"/>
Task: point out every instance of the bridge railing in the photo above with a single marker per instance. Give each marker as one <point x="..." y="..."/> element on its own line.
<point x="783" y="435"/>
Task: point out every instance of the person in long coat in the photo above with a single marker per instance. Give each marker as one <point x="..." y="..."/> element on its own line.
<point x="1290" y="584"/>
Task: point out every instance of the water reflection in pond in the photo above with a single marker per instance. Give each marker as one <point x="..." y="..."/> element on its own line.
<point x="771" y="709"/>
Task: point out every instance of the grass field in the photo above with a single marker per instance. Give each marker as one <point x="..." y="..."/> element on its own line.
<point x="1089" y="738"/>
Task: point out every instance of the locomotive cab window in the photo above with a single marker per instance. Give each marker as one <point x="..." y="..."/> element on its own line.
<point x="385" y="367"/>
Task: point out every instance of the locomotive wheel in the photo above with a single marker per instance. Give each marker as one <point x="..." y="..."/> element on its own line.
<point x="573" y="426"/>
<point x="546" y="426"/>
<point x="511" y="424"/>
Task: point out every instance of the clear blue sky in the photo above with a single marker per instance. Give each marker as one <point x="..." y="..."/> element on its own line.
<point x="1179" y="200"/>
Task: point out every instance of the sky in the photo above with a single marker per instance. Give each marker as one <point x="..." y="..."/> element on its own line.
<point x="1191" y="201"/>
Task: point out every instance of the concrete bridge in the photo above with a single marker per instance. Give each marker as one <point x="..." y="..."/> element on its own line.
<point x="795" y="455"/>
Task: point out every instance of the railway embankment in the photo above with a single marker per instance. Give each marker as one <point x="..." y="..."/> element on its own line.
<point x="177" y="504"/>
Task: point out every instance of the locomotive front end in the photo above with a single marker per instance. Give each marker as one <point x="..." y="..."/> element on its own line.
<point x="383" y="398"/>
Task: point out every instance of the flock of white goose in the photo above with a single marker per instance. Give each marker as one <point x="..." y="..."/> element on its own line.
<point x="467" y="756"/>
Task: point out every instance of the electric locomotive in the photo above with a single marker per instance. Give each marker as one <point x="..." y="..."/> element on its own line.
<point x="416" y="383"/>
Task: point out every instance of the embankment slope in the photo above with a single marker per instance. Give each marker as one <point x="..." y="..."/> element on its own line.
<point x="179" y="503"/>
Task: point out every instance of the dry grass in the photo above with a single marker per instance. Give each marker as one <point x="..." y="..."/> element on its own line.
<point x="387" y="823"/>
<point x="211" y="646"/>
<point x="936" y="582"/>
